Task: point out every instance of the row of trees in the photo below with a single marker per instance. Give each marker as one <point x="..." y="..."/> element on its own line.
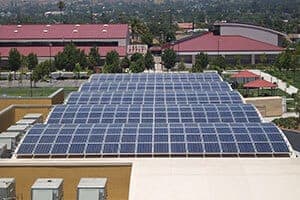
<point x="137" y="63"/>
<point x="65" y="60"/>
<point x="74" y="59"/>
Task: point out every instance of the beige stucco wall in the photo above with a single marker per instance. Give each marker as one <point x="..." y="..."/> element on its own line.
<point x="267" y="106"/>
<point x="13" y="109"/>
<point x="117" y="185"/>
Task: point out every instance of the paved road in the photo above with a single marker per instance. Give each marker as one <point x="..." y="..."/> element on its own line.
<point x="54" y="83"/>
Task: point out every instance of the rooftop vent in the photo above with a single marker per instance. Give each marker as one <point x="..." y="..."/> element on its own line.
<point x="48" y="25"/>
<point x="45" y="31"/>
<point x="75" y="31"/>
<point x="105" y="25"/>
<point x="19" y="26"/>
<point x="104" y="31"/>
<point x="77" y="25"/>
<point x="15" y="31"/>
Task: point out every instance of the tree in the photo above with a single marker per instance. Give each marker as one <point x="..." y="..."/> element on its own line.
<point x="169" y="58"/>
<point x="61" y="6"/>
<point x="263" y="59"/>
<point x="136" y="56"/>
<point x="219" y="61"/>
<point x="77" y="70"/>
<point x="94" y="57"/>
<point x="201" y="62"/>
<point x="147" y="39"/>
<point x="112" y="63"/>
<point x="31" y="61"/>
<point x="69" y="57"/>
<point x="284" y="60"/>
<point x="14" y="60"/>
<point x="125" y="63"/>
<point x="238" y="60"/>
<point x="170" y="36"/>
<point x="138" y="66"/>
<point x="138" y="27"/>
<point x="9" y="78"/>
<point x="181" y="66"/>
<point x="41" y="70"/>
<point x="149" y="61"/>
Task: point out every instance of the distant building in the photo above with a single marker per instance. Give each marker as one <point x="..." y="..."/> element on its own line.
<point x="47" y="40"/>
<point x="246" y="42"/>
<point x="185" y="26"/>
<point x="251" y="31"/>
<point x="294" y="37"/>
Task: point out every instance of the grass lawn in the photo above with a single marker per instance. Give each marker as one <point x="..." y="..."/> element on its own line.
<point x="294" y="77"/>
<point x="262" y="93"/>
<point x="36" y="92"/>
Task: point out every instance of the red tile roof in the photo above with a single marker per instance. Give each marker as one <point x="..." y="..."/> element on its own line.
<point x="260" y="84"/>
<point x="63" y="31"/>
<point x="45" y="51"/>
<point x="209" y="42"/>
<point x="245" y="74"/>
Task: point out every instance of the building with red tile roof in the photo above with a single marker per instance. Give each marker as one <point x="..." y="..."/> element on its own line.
<point x="228" y="46"/>
<point x="260" y="83"/>
<point x="245" y="74"/>
<point x="47" y="40"/>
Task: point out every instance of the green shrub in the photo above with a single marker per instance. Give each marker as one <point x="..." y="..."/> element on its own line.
<point x="289" y="123"/>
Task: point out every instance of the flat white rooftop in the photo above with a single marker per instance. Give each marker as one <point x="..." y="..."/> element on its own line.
<point x="198" y="178"/>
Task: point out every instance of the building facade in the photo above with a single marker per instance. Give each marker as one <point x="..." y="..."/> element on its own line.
<point x="47" y="40"/>
<point x="248" y="44"/>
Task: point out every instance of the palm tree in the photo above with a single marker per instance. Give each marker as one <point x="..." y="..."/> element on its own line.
<point x="138" y="27"/>
<point x="61" y="6"/>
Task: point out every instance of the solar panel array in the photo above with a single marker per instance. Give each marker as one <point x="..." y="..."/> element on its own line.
<point x="198" y="113"/>
<point x="164" y="77"/>
<point x="157" y="97"/>
<point x="150" y="86"/>
<point x="154" y="115"/>
<point x="153" y="139"/>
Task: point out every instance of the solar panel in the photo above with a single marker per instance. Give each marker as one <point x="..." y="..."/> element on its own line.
<point x="162" y="86"/>
<point x="155" y="77"/>
<point x="154" y="97"/>
<point x="197" y="113"/>
<point x="184" y="139"/>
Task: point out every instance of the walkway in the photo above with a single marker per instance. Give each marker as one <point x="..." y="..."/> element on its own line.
<point x="285" y="115"/>
<point x="281" y="85"/>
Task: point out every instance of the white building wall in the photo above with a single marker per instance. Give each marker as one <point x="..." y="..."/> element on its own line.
<point x="256" y="34"/>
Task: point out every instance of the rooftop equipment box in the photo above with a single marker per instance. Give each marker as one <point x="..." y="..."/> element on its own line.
<point x="92" y="189"/>
<point x="47" y="189"/>
<point x="26" y="121"/>
<point x="18" y="128"/>
<point x="7" y="188"/>
<point x="37" y="116"/>
<point x="11" y="139"/>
